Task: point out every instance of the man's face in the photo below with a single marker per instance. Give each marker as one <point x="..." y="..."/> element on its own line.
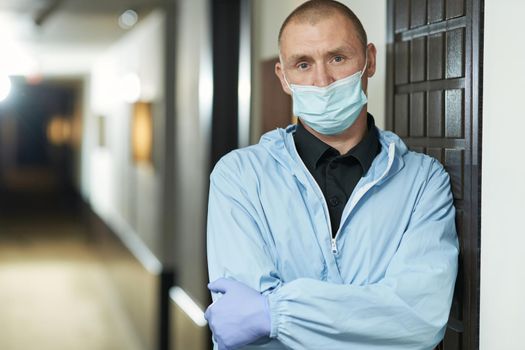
<point x="322" y="53"/>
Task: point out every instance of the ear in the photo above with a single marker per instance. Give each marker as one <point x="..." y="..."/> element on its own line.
<point x="280" y="74"/>
<point x="371" y="66"/>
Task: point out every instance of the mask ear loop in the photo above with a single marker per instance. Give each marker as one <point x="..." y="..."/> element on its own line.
<point x="366" y="63"/>
<point x="284" y="75"/>
<point x="286" y="81"/>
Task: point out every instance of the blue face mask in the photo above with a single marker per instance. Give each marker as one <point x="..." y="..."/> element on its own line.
<point x="332" y="109"/>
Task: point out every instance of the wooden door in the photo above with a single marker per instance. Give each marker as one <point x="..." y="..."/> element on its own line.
<point x="276" y="106"/>
<point x="434" y="103"/>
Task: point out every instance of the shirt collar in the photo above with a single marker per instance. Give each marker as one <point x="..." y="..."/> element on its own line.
<point x="312" y="150"/>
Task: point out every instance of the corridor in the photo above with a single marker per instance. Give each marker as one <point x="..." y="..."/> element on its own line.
<point x="54" y="291"/>
<point x="114" y="114"/>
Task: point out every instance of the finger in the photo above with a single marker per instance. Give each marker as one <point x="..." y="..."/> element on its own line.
<point x="221" y="345"/>
<point x="220" y="285"/>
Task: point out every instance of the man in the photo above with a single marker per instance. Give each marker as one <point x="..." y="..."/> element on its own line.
<point x="329" y="234"/>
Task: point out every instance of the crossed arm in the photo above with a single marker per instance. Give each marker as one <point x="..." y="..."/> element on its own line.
<point x="407" y="309"/>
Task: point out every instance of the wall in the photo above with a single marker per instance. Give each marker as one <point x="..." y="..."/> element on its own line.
<point x="193" y="97"/>
<point x="268" y="15"/>
<point x="126" y="195"/>
<point x="503" y="179"/>
<point x="194" y="93"/>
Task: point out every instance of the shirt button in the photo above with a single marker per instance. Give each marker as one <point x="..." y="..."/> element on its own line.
<point x="334" y="201"/>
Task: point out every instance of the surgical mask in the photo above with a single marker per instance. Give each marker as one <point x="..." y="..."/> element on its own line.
<point x="332" y="109"/>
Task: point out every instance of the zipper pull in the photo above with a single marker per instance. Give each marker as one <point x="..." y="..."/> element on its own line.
<point x="334" y="246"/>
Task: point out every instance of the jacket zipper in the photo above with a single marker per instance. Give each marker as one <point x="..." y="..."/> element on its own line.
<point x="325" y="205"/>
<point x="366" y="187"/>
<point x="334" y="245"/>
<point x="363" y="191"/>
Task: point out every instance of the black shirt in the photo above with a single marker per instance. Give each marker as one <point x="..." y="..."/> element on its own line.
<point x="336" y="174"/>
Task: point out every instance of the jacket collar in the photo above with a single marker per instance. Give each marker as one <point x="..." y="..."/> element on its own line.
<point x="312" y="150"/>
<point x="280" y="144"/>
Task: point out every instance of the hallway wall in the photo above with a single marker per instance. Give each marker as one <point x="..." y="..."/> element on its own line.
<point x="127" y="194"/>
<point x="124" y="193"/>
<point x="502" y="309"/>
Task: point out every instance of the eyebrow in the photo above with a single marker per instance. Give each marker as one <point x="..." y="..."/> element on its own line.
<point x="299" y="57"/>
<point x="342" y="49"/>
<point x="338" y="50"/>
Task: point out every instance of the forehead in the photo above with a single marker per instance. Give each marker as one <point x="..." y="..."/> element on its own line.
<point x="311" y="38"/>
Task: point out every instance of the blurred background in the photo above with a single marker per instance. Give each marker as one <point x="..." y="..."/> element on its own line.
<point x="114" y="112"/>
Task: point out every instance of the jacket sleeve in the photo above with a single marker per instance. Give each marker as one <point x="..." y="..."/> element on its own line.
<point x="407" y="309"/>
<point x="236" y="245"/>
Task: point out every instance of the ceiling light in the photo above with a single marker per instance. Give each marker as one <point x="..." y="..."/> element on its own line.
<point x="128" y="19"/>
<point x="16" y="59"/>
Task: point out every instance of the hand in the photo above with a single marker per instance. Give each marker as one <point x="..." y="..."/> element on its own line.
<point x="240" y="316"/>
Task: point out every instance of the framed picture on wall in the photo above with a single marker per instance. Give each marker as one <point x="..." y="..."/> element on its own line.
<point x="142" y="133"/>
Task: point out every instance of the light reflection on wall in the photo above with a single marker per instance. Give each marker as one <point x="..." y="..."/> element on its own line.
<point x="5" y="87"/>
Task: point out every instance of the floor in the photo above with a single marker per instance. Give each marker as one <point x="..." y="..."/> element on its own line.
<point x="54" y="291"/>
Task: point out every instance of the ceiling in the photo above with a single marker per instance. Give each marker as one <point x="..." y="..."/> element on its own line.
<point x="66" y="33"/>
<point x="86" y="6"/>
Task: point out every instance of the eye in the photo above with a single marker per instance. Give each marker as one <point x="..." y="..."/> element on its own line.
<point x="339" y="59"/>
<point x="302" y="66"/>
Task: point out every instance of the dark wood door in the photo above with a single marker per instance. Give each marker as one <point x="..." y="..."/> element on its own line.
<point x="434" y="103"/>
<point x="276" y="106"/>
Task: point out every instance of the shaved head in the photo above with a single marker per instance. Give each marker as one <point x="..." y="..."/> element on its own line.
<point x="314" y="11"/>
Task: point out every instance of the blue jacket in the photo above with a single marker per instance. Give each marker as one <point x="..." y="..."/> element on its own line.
<point x="385" y="282"/>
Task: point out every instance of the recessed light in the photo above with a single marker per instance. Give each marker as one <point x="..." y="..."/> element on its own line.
<point x="128" y="19"/>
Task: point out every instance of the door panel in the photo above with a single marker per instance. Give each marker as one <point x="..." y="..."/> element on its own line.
<point x="276" y="106"/>
<point x="433" y="89"/>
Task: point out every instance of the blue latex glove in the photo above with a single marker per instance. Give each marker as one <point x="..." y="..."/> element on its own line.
<point x="239" y="317"/>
